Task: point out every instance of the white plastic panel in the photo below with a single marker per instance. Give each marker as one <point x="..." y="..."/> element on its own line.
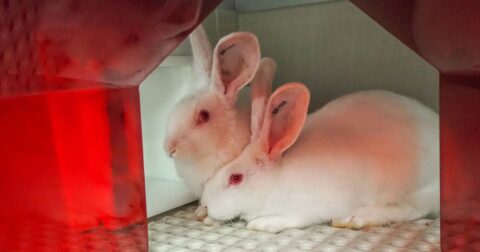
<point x="158" y="94"/>
<point x="165" y="194"/>
<point x="335" y="49"/>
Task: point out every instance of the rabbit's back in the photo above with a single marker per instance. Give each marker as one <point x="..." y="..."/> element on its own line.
<point x="378" y="143"/>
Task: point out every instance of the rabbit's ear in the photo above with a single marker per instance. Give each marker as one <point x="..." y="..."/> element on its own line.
<point x="202" y="53"/>
<point x="261" y="90"/>
<point x="284" y="118"/>
<point x="235" y="61"/>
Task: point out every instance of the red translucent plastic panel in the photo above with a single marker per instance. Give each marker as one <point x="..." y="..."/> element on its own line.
<point x="447" y="33"/>
<point x="460" y="158"/>
<point x="444" y="32"/>
<point x="71" y="168"/>
<point x="71" y="161"/>
<point x="117" y="42"/>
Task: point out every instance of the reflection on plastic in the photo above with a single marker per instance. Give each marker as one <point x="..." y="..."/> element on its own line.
<point x="70" y="138"/>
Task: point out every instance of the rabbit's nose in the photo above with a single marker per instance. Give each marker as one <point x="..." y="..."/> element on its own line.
<point x="170" y="148"/>
<point x="172" y="152"/>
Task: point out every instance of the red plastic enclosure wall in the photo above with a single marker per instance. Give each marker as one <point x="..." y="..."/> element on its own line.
<point x="447" y="34"/>
<point x="71" y="168"/>
<point x="71" y="174"/>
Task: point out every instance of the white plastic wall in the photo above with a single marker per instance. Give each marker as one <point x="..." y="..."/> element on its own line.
<point x="158" y="93"/>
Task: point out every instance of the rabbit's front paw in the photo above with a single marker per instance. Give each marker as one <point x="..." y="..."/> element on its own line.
<point x="271" y="224"/>
<point x="200" y="213"/>
<point x="211" y="222"/>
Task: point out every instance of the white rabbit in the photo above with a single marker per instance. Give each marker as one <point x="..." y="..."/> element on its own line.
<point x="206" y="129"/>
<point x="368" y="158"/>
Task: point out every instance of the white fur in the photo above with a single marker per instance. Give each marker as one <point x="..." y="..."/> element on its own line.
<point x="367" y="158"/>
<point x="202" y="149"/>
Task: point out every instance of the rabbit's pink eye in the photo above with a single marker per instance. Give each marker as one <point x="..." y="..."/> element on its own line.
<point x="203" y="116"/>
<point x="236" y="179"/>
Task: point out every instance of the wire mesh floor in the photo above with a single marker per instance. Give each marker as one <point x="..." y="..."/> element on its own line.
<point x="177" y="231"/>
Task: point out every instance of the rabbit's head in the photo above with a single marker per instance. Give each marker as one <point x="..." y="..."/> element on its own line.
<point x="243" y="185"/>
<point x="205" y="128"/>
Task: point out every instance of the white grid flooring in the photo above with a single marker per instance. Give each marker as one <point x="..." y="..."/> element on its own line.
<point x="177" y="231"/>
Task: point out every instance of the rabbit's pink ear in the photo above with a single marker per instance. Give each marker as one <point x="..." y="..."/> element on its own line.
<point x="284" y="118"/>
<point x="261" y="90"/>
<point x="202" y="53"/>
<point x="235" y="61"/>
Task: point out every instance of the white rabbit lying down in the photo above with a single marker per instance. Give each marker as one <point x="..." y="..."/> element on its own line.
<point x="206" y="129"/>
<point x="368" y="158"/>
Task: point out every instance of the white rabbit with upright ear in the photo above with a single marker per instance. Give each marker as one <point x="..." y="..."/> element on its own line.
<point x="368" y="158"/>
<point x="206" y="130"/>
